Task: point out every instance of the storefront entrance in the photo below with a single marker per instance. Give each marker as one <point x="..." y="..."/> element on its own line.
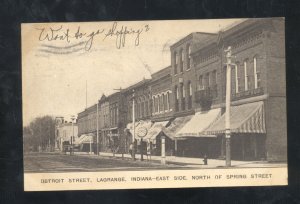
<point x="245" y="146"/>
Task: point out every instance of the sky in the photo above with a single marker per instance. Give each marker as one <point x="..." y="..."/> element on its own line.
<point x="60" y="64"/>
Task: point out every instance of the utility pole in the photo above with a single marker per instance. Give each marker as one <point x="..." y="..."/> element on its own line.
<point x="122" y="141"/>
<point x="227" y="102"/>
<point x="97" y="127"/>
<point x="72" y="137"/>
<point x="133" y="125"/>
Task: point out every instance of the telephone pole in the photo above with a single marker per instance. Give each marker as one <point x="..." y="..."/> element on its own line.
<point x="133" y="126"/>
<point x="97" y="120"/>
<point x="227" y="112"/>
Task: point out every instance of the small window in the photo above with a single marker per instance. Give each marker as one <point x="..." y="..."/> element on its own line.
<point x="190" y="89"/>
<point x="175" y="62"/>
<point x="200" y="82"/>
<point x="188" y="56"/>
<point x="181" y="60"/>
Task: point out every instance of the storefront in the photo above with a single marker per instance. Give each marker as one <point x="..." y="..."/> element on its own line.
<point x="85" y="143"/>
<point x="193" y="141"/>
<point x="248" y="132"/>
<point x="171" y="130"/>
<point x="142" y="124"/>
<point x="153" y="140"/>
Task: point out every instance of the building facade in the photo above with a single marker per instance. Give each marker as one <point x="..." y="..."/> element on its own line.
<point x="185" y="102"/>
<point x="67" y="134"/>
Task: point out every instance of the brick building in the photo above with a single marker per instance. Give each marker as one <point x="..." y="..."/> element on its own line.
<point x="258" y="116"/>
<point x="141" y="93"/>
<point x="162" y="111"/>
<point x="185" y="102"/>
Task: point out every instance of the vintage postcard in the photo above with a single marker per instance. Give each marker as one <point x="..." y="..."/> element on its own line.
<point x="154" y="104"/>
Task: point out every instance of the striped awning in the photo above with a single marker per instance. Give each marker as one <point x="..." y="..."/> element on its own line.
<point x="175" y="126"/>
<point x="84" y="139"/>
<point x="246" y="118"/>
<point x="155" y="130"/>
<point x="199" y="123"/>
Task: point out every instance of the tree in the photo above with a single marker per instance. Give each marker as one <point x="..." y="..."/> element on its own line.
<point x="39" y="134"/>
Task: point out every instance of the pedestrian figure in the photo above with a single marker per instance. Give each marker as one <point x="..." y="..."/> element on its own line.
<point x="205" y="159"/>
<point x="130" y="149"/>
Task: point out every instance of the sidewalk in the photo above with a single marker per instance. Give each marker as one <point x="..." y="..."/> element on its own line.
<point x="195" y="162"/>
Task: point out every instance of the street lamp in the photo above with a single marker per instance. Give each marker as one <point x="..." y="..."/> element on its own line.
<point x="72" y="137"/>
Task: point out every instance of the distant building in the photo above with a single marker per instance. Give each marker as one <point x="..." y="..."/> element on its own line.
<point x="65" y="133"/>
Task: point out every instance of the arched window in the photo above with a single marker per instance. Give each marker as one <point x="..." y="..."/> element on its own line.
<point x="165" y="102"/>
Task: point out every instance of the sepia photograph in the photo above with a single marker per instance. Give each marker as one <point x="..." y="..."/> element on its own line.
<point x="154" y="104"/>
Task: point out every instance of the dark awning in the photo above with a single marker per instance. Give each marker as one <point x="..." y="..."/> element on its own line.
<point x="246" y="118"/>
<point x="155" y="130"/>
<point x="175" y="126"/>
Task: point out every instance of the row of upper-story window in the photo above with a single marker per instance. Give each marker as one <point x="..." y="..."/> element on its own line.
<point x="87" y="123"/>
<point x="180" y="57"/>
<point x="181" y="89"/>
<point x="142" y="107"/>
<point x="246" y="75"/>
<point x="208" y="79"/>
<point x="181" y="98"/>
<point x="161" y="103"/>
<point x="114" y="116"/>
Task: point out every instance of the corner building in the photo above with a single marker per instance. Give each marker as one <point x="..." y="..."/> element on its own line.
<point x="258" y="92"/>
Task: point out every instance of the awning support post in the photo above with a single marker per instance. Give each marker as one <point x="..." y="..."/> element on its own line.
<point x="91" y="145"/>
<point x="175" y="147"/>
<point x="142" y="149"/>
<point x="163" y="150"/>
